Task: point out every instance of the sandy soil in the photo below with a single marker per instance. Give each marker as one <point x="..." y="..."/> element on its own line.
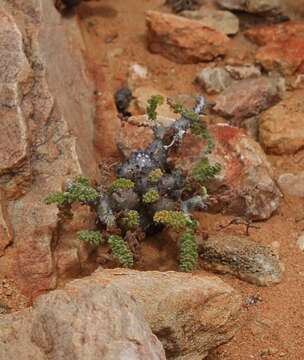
<point x="114" y="32"/>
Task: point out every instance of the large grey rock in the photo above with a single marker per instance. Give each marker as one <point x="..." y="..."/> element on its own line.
<point x="84" y="321"/>
<point x="251" y="6"/>
<point x="189" y="313"/>
<point x="242" y="257"/>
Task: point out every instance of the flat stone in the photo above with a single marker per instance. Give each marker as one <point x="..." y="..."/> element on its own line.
<point x="214" y="80"/>
<point x="249" y="97"/>
<point x="221" y="21"/>
<point x="242" y="257"/>
<point x="282" y="126"/>
<point x="189" y="313"/>
<point x="83" y="321"/>
<point x="292" y="184"/>
<point x="182" y="40"/>
<point x="300" y="242"/>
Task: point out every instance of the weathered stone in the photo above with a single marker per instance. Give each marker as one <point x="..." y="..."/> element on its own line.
<point x="245" y="185"/>
<point x="84" y="321"/>
<point x="251" y="126"/>
<point x="300" y="242"/>
<point x="6" y="231"/>
<point x="251" y="6"/>
<point x="190" y="314"/>
<point x="265" y="35"/>
<point x="242" y="257"/>
<point x="136" y="75"/>
<point x="68" y="263"/>
<point x="183" y="40"/>
<point x="248" y="98"/>
<point x="134" y="137"/>
<point x="242" y="72"/>
<point x="284" y="59"/>
<point x="221" y="21"/>
<point x="292" y="184"/>
<point x="214" y="80"/>
<point x="282" y="127"/>
<point x="274" y="54"/>
<point x="46" y="131"/>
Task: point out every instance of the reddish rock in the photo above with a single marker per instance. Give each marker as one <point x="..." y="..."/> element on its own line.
<point x="284" y="59"/>
<point x="245" y="185"/>
<point x="134" y="137"/>
<point x="264" y="35"/>
<point x="274" y="53"/>
<point x="248" y="98"/>
<point x="183" y="40"/>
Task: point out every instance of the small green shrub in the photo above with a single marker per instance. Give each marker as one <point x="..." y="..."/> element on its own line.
<point x="79" y="191"/>
<point x="203" y="170"/>
<point x="151" y="196"/>
<point x="132" y="219"/>
<point x="90" y="236"/>
<point x="188" y="251"/>
<point x="121" y="183"/>
<point x="121" y="251"/>
<point x="153" y="103"/>
<point x="175" y="219"/>
<point x="155" y="175"/>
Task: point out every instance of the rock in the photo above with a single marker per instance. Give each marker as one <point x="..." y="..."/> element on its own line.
<point x="249" y="97"/>
<point x="285" y="59"/>
<point x="134" y="137"/>
<point x="183" y="40"/>
<point x="251" y="6"/>
<point x="241" y="257"/>
<point x="245" y="185"/>
<point x="251" y="126"/>
<point x="68" y="262"/>
<point x="292" y="184"/>
<point x="46" y="133"/>
<point x="274" y="54"/>
<point x="300" y="242"/>
<point x="264" y="35"/>
<point x="84" y="321"/>
<point x="141" y="96"/>
<point x="242" y="72"/>
<point x="137" y="74"/>
<point x="221" y="21"/>
<point x="282" y="127"/>
<point x="6" y="230"/>
<point x="189" y="313"/>
<point x="214" y="80"/>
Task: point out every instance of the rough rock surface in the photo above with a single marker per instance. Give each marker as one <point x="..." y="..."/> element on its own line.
<point x="84" y="321"/>
<point x="190" y="314"/>
<point x="274" y="54"/>
<point x="221" y="21"/>
<point x="251" y="6"/>
<point x="6" y="230"/>
<point x="215" y="80"/>
<point x="183" y="40"/>
<point x="300" y="242"/>
<point x="292" y="184"/>
<point x="249" y="97"/>
<point x="242" y="257"/>
<point x="245" y="185"/>
<point x="46" y="136"/>
<point x="282" y="127"/>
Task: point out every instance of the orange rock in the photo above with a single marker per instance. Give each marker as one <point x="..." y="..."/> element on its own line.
<point x="287" y="59"/>
<point x="264" y="35"/>
<point x="183" y="40"/>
